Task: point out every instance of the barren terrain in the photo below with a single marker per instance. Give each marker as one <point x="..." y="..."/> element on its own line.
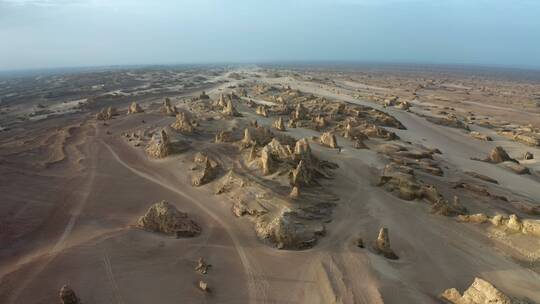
<point x="280" y="178"/>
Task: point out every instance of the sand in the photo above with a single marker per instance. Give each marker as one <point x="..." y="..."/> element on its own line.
<point x="71" y="199"/>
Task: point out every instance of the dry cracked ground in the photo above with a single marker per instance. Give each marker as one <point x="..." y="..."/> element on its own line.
<point x="270" y="185"/>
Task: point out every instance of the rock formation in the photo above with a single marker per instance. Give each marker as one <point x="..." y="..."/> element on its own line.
<point x="106" y="113"/>
<point x="295" y="192"/>
<point x="480" y="292"/>
<point x="223" y="137"/>
<point x="159" y="145"/>
<point x="168" y="109"/>
<point x="203" y="286"/>
<point x="382" y="245"/>
<point x="261" y="110"/>
<point x="528" y="155"/>
<point x="207" y="174"/>
<point x="68" y="296"/>
<point x="498" y="155"/>
<point x="300" y="113"/>
<point x="328" y="139"/>
<point x="285" y="231"/>
<point x="301" y="175"/>
<point x="182" y="124"/>
<point x="279" y="125"/>
<point x="202" y="267"/>
<point x="230" y="110"/>
<point x="480" y="136"/>
<point x="164" y="218"/>
<point x="203" y="96"/>
<point x="267" y="161"/>
<point x="134" y="108"/>
<point x="511" y="223"/>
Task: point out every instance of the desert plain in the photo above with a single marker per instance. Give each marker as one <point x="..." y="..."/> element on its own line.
<point x="270" y="184"/>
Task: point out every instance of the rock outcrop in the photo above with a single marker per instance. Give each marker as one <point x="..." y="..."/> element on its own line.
<point x="182" y="124"/>
<point x="230" y="110"/>
<point x="202" y="267"/>
<point x="278" y="124"/>
<point x="159" y="146"/>
<point x="328" y="139"/>
<point x="134" y="108"/>
<point x="284" y="231"/>
<point x="528" y="155"/>
<point x="498" y="155"/>
<point x="106" y="113"/>
<point x="169" y="109"/>
<point x="480" y="292"/>
<point x="382" y="245"/>
<point x="480" y="136"/>
<point x="261" y="110"/>
<point x="68" y="296"/>
<point x="164" y="218"/>
<point x="510" y="224"/>
<point x="223" y="137"/>
<point x="205" y="174"/>
<point x="300" y="113"/>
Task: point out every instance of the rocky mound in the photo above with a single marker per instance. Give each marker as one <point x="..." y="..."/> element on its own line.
<point x="230" y="110"/>
<point x="382" y="245"/>
<point x="279" y="125"/>
<point x="159" y="146"/>
<point x="499" y="155"/>
<point x="285" y="231"/>
<point x="206" y="171"/>
<point x="68" y="296"/>
<point x="510" y="224"/>
<point x="182" y="124"/>
<point x="134" y="108"/>
<point x="261" y="110"/>
<point x="164" y="218"/>
<point x="480" y="292"/>
<point x="224" y="137"/>
<point x="328" y="139"/>
<point x="106" y="113"/>
<point x="169" y="109"/>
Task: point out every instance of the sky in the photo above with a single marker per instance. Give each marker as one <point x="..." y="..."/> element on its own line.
<point x="80" y="33"/>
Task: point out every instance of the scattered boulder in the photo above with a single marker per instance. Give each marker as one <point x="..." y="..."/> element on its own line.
<point x="134" y="108"/>
<point x="164" y="218"/>
<point x="68" y="296"/>
<point x="528" y="155"/>
<point x="480" y="136"/>
<point x="203" y="286"/>
<point x="159" y="146"/>
<point x="517" y="168"/>
<point x="480" y="292"/>
<point x="202" y="267"/>
<point x="382" y="245"/>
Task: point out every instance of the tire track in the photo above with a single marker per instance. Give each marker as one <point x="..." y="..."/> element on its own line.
<point x="255" y="288"/>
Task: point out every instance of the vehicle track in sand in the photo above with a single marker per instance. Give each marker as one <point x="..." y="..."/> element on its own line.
<point x="52" y="253"/>
<point x="257" y="290"/>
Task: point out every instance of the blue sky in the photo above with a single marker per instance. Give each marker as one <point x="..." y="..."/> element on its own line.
<point x="60" y="33"/>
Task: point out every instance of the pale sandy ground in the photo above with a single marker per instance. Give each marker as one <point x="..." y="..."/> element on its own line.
<point x="86" y="236"/>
